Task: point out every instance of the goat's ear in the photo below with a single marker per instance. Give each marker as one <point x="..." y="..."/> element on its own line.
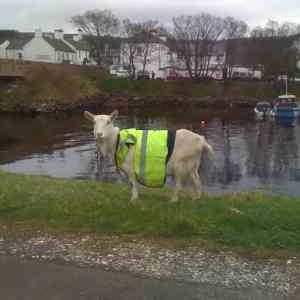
<point x="114" y="115"/>
<point x="89" y="116"/>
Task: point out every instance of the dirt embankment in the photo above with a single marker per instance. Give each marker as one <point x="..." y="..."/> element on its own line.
<point x="46" y="87"/>
<point x="100" y="101"/>
<point x="51" y="88"/>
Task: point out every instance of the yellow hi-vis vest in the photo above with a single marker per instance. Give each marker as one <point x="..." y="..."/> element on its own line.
<point x="150" y="155"/>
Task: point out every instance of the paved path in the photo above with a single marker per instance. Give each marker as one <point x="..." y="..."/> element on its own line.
<point x="32" y="280"/>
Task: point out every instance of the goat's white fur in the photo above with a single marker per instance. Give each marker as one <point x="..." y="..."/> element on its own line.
<point x="182" y="165"/>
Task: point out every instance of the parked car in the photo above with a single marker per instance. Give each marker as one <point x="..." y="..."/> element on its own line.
<point x="142" y="75"/>
<point x="119" y="71"/>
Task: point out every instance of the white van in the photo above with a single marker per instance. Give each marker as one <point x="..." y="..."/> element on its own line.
<point x="119" y="70"/>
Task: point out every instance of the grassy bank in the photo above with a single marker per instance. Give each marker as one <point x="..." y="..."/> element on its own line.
<point x="252" y="222"/>
<point x="189" y="88"/>
<point x="47" y="84"/>
<point x="50" y="87"/>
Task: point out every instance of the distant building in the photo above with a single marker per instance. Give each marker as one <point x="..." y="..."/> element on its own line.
<point x="79" y="44"/>
<point x="164" y="61"/>
<point x="5" y="37"/>
<point x="46" y="47"/>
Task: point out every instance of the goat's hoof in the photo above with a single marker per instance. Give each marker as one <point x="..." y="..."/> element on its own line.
<point x="134" y="201"/>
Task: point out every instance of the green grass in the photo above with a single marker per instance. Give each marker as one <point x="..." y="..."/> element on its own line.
<point x="191" y="88"/>
<point x="43" y="84"/>
<point x="250" y="222"/>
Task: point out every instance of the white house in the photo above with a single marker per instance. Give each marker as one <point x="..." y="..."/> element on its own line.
<point x="159" y="59"/>
<point x="164" y="61"/>
<point x="15" y="47"/>
<point x="40" y="47"/>
<point x="3" y="46"/>
<point x="79" y="45"/>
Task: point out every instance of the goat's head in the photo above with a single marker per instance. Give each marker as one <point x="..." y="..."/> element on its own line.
<point x="103" y="124"/>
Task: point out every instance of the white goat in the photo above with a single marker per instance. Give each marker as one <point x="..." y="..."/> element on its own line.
<point x="183" y="163"/>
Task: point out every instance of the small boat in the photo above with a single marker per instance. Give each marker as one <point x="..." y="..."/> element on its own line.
<point x="285" y="106"/>
<point x="262" y="109"/>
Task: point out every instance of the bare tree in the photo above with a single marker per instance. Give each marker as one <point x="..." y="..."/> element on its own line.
<point x="194" y="39"/>
<point x="273" y="46"/>
<point x="139" y="43"/>
<point x="233" y="32"/>
<point x="275" y="29"/>
<point x="129" y="49"/>
<point x="148" y="32"/>
<point x="97" y="24"/>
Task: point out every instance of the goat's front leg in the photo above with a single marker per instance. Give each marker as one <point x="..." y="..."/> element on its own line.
<point x="129" y="170"/>
<point x="134" y="188"/>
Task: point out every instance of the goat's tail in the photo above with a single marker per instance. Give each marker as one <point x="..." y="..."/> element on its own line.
<point x="209" y="149"/>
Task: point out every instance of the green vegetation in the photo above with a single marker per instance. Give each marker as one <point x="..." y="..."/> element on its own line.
<point x="190" y="88"/>
<point x="251" y="222"/>
<point x="47" y="84"/>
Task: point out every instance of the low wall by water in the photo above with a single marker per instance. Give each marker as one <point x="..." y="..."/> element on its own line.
<point x="127" y="102"/>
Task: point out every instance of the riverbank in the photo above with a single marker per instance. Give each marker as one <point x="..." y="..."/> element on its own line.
<point x="248" y="223"/>
<point x="246" y="240"/>
<point x="52" y="88"/>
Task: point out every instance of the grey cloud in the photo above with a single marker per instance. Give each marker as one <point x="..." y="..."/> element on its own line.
<point x="51" y="14"/>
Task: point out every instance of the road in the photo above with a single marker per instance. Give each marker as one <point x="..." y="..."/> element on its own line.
<point x="22" y="279"/>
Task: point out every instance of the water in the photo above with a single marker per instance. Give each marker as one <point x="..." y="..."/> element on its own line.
<point x="249" y="154"/>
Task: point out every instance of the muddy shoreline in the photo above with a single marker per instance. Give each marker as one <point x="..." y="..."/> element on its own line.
<point x="134" y="102"/>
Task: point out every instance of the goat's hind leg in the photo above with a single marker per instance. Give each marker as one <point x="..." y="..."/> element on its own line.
<point x="195" y="178"/>
<point x="178" y="187"/>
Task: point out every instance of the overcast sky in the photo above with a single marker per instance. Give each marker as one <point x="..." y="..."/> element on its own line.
<point x="27" y="15"/>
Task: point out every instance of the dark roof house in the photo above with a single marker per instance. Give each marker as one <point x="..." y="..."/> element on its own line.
<point x="7" y="35"/>
<point x="21" y="39"/>
<point x="80" y="44"/>
<point x="58" y="45"/>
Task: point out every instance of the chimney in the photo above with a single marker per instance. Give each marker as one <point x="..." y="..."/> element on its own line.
<point x="38" y="33"/>
<point x="78" y="36"/>
<point x="58" y="34"/>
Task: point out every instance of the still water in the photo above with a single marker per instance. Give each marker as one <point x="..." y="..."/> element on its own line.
<point x="249" y="154"/>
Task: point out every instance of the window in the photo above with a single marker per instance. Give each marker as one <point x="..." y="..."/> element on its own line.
<point x="139" y="51"/>
<point x="219" y="58"/>
<point x="59" y="58"/>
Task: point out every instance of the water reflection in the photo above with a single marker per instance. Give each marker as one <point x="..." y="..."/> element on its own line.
<point x="249" y="154"/>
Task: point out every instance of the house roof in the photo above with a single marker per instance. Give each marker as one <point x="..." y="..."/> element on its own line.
<point x="79" y="45"/>
<point x="7" y="35"/>
<point x="218" y="47"/>
<point x="2" y="40"/>
<point x="20" y="41"/>
<point x="142" y="38"/>
<point x="58" y="44"/>
<point x="113" y="42"/>
<point x="246" y="49"/>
